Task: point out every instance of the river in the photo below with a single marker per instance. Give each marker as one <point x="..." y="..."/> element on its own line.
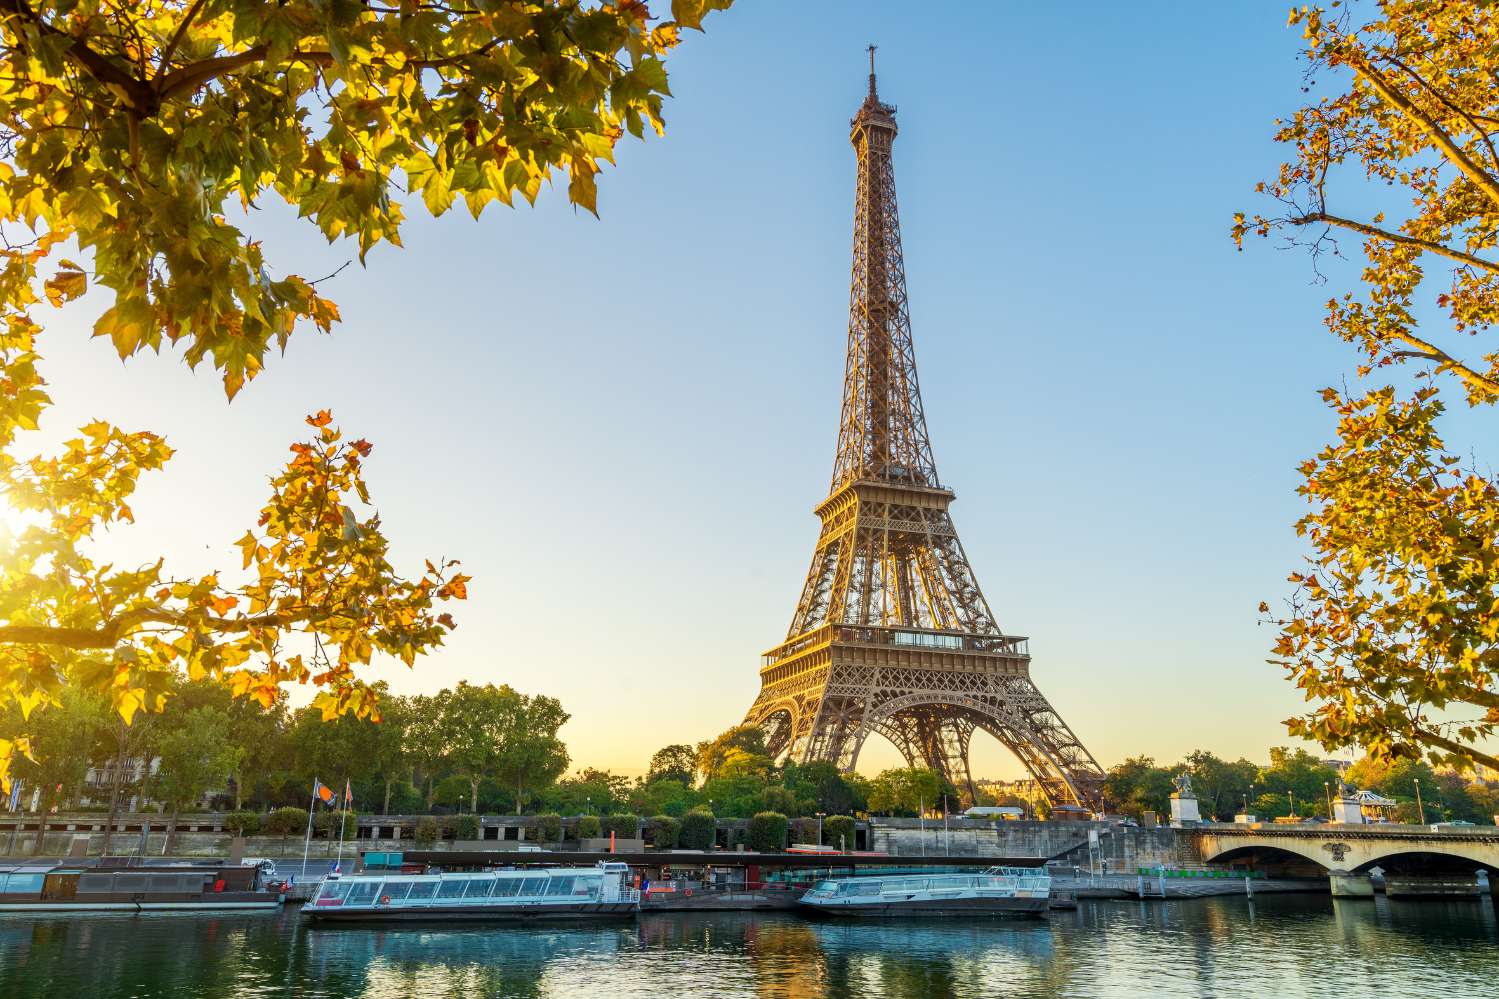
<point x="1273" y="946"/>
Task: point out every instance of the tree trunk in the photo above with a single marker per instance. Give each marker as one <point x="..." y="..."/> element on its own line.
<point x="518" y="809"/>
<point x="114" y="800"/>
<point x="473" y="782"/>
<point x="388" y="781"/>
<point x="238" y="798"/>
<point x="430" y="793"/>
<point x="166" y="848"/>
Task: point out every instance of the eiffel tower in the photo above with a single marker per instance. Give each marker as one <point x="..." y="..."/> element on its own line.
<point x="892" y="634"/>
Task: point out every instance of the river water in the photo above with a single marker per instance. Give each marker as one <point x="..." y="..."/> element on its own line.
<point x="1272" y="946"/>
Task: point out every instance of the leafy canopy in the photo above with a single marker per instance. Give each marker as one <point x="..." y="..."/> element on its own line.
<point x="1397" y="619"/>
<point x="127" y="130"/>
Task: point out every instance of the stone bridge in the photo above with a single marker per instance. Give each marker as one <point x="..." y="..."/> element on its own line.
<point x="1307" y="848"/>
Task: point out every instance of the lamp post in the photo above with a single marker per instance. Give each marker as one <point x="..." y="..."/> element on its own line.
<point x="1292" y="799"/>
<point x="1420" y="811"/>
<point x="819" y="829"/>
<point x="588" y="806"/>
<point x="1327" y="790"/>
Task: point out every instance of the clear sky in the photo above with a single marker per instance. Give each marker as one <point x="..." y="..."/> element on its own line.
<point x="621" y="425"/>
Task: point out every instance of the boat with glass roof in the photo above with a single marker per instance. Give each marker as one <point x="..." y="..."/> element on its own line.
<point x="997" y="891"/>
<point x="554" y="893"/>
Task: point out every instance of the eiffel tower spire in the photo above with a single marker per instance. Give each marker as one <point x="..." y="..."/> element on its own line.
<point x="892" y="634"/>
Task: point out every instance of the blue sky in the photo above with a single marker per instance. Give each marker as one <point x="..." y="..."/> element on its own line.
<point x="621" y="425"/>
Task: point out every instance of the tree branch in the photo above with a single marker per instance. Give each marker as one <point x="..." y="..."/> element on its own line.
<point x="108" y="635"/>
<point x="1395" y="237"/>
<point x="166" y="53"/>
<point x="190" y="78"/>
<point x="1435" y="132"/>
<point x="1456" y="747"/>
<point x="126" y="87"/>
<point x="1434" y="353"/>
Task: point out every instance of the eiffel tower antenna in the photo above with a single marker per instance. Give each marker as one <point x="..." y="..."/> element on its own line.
<point x="892" y="634"/>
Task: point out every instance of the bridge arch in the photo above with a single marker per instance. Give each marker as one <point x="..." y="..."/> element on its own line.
<point x="1309" y="852"/>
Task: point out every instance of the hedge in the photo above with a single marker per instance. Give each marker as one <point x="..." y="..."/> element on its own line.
<point x="466" y="827"/>
<point x="699" y="830"/>
<point x="839" y="825"/>
<point x="622" y="825"/>
<point x="428" y="830"/>
<point x="287" y="820"/>
<point x="588" y="827"/>
<point x="664" y="832"/>
<point x="549" y="827"/>
<point x="242" y="823"/>
<point x="767" y="832"/>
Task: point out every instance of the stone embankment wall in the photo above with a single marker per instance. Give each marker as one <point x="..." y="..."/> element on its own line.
<point x="1125" y="847"/>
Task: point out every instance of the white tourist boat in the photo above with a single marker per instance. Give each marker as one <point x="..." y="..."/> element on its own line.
<point x="1018" y="891"/>
<point x="536" y="893"/>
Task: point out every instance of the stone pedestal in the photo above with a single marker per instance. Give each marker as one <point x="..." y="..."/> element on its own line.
<point x="1184" y="810"/>
<point x="1348" y="810"/>
<point x="1347" y="883"/>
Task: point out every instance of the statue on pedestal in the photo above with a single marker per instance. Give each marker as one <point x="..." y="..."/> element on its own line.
<point x="1184" y="802"/>
<point x="1184" y="784"/>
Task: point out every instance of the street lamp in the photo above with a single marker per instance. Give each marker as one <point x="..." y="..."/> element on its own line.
<point x="1327" y="790"/>
<point x="588" y="806"/>
<point x="1420" y="812"/>
<point x="819" y="827"/>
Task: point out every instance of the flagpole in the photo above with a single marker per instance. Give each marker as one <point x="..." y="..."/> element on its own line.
<point x="342" y="819"/>
<point x="307" y="844"/>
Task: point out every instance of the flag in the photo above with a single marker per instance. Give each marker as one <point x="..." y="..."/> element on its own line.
<point x="348" y="795"/>
<point x="320" y="791"/>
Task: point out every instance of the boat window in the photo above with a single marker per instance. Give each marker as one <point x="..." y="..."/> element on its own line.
<point x="452" y="888"/>
<point x="331" y="889"/>
<point x="166" y="882"/>
<point x="479" y="887"/>
<point x="363" y="891"/>
<point x="825" y="886"/>
<point x="26" y="882"/>
<point x="534" y="886"/>
<point x="561" y="886"/>
<point x="396" y="890"/>
<point x="95" y="882"/>
<point x="588" y="885"/>
<point x="123" y="882"/>
<point x="505" y="887"/>
<point x="869" y="888"/>
<point x="422" y="890"/>
<point x="847" y="888"/>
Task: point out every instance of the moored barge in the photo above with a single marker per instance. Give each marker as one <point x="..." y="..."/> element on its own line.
<point x="557" y="893"/>
<point x="998" y="891"/>
<point x="67" y="888"/>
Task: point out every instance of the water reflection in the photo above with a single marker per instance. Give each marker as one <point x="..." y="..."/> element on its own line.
<point x="1277" y="945"/>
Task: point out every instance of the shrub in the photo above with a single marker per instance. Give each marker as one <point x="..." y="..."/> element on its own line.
<point x="242" y="823"/>
<point x="739" y="835"/>
<point x="287" y="820"/>
<point x="664" y="832"/>
<point x="767" y="832"/>
<point x="778" y="799"/>
<point x="328" y="823"/>
<point x="428" y="830"/>
<point x="838" y="825"/>
<point x="803" y="830"/>
<point x="588" y="827"/>
<point x="622" y="825"/>
<point x="699" y="830"/>
<point x="550" y="827"/>
<point x="466" y="826"/>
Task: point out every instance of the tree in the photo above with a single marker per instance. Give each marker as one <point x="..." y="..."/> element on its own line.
<point x="162" y="113"/>
<point x="838" y="830"/>
<point x="61" y="744"/>
<point x="713" y="753"/>
<point x="905" y="789"/>
<point x="427" y="737"/>
<point x="675" y="762"/>
<point x="529" y="752"/>
<point x="1220" y="786"/>
<point x="197" y="754"/>
<point x="390" y="759"/>
<point x="334" y="751"/>
<point x="473" y="719"/>
<point x="1396" y="617"/>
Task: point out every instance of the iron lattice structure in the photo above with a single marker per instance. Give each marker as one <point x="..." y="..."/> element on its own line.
<point x="892" y="634"/>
